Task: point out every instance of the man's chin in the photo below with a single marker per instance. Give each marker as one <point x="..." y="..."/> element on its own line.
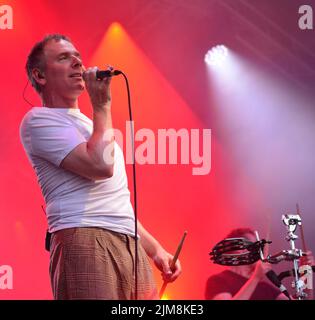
<point x="78" y="89"/>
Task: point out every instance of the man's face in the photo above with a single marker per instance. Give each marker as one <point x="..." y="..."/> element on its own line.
<point x="63" y="69"/>
<point x="252" y="238"/>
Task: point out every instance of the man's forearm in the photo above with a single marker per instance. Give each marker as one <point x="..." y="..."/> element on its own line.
<point x="100" y="145"/>
<point x="149" y="243"/>
<point x="247" y="290"/>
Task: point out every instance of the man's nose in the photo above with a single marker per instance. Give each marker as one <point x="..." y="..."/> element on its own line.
<point x="76" y="62"/>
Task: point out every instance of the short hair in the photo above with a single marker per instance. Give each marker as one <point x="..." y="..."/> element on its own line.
<point x="35" y="58"/>
<point x="240" y="232"/>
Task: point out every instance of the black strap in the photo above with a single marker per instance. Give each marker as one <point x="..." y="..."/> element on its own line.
<point x="47" y="240"/>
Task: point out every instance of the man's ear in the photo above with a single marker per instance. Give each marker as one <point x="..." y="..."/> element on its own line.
<point x="38" y="76"/>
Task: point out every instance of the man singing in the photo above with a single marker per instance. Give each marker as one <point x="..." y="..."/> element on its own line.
<point x="81" y="172"/>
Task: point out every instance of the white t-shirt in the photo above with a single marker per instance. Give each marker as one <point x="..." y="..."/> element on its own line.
<point x="48" y="136"/>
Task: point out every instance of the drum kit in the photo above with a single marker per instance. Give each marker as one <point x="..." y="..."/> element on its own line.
<point x="241" y="251"/>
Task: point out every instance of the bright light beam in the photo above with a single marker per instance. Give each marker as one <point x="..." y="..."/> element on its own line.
<point x="216" y="56"/>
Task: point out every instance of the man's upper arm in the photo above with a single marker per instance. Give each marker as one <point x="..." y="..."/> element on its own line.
<point x="52" y="137"/>
<point x="56" y="139"/>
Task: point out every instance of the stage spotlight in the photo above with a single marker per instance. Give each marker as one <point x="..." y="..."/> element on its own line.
<point x="216" y="56"/>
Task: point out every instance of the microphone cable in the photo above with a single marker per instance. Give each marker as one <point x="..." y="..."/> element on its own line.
<point x="134" y="185"/>
<point x="101" y="74"/>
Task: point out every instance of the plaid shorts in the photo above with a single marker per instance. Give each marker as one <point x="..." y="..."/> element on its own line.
<point x="95" y="263"/>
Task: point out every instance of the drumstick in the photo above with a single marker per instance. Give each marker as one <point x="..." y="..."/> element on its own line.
<point x="173" y="263"/>
<point x="268" y="231"/>
<point x="301" y="226"/>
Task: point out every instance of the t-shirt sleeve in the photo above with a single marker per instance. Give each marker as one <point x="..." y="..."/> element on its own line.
<point x="53" y="137"/>
<point x="215" y="285"/>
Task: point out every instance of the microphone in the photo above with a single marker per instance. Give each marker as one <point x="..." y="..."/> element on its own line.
<point x="271" y="275"/>
<point x="101" y="74"/>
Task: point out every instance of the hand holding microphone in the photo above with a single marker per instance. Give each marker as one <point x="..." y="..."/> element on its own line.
<point x="101" y="74"/>
<point x="98" y="86"/>
<point x="272" y="276"/>
<point x="266" y="269"/>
